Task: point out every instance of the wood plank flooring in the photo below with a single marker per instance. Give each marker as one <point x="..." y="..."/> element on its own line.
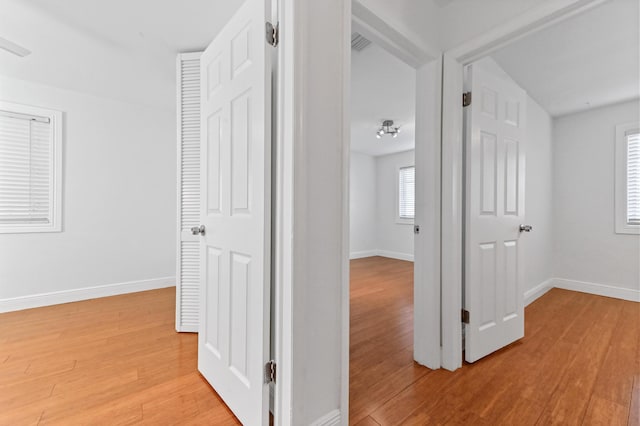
<point x="118" y="361"/>
<point x="578" y="364"/>
<point x="110" y="361"/>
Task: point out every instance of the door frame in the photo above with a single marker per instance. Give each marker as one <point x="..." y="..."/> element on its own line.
<point x="288" y="206"/>
<point x="425" y="60"/>
<point x="454" y="61"/>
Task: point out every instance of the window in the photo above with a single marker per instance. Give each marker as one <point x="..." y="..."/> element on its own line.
<point x="30" y="169"/>
<point x="406" y="194"/>
<point x="627" y="190"/>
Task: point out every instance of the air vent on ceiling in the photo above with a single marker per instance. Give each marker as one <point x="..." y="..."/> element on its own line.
<point x="358" y="42"/>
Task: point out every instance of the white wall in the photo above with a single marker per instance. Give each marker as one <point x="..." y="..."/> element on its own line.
<point x="393" y="239"/>
<point x="539" y="197"/>
<point x="373" y="204"/>
<point x="586" y="247"/>
<point x="118" y="210"/>
<point x="316" y="127"/>
<point x="362" y="205"/>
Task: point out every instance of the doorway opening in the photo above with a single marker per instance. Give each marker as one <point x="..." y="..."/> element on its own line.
<point x="533" y="133"/>
<point x="382" y="218"/>
<point x="406" y="258"/>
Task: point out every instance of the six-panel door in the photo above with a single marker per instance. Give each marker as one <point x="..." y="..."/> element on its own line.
<point x="233" y="342"/>
<point x="495" y="174"/>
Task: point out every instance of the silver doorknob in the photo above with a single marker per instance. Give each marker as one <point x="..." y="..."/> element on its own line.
<point x="526" y="228"/>
<point x="198" y="230"/>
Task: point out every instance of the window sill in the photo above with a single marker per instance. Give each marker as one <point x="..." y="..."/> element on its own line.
<point x="401" y="221"/>
<point x="29" y="229"/>
<point x="628" y="229"/>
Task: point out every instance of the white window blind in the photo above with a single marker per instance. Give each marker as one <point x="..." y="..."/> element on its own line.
<point x="30" y="169"/>
<point x="25" y="169"/>
<point x="406" y="192"/>
<point x="633" y="177"/>
<point x="627" y="178"/>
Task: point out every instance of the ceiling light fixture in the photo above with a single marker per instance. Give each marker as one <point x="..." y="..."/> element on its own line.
<point x="387" y="128"/>
<point x="10" y="46"/>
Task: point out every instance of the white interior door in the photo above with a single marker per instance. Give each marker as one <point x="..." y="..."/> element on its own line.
<point x="188" y="250"/>
<point x="233" y="341"/>
<point x="495" y="175"/>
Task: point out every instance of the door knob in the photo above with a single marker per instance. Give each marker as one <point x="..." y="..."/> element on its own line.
<point x="526" y="228"/>
<point x="198" y="230"/>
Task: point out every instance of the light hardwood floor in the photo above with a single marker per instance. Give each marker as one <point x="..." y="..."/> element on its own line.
<point x="578" y="364"/>
<point x="110" y="361"/>
<point x="118" y="360"/>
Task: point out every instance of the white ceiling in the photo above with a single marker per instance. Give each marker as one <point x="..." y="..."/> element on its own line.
<point x="443" y="3"/>
<point x="126" y="50"/>
<point x="153" y="26"/>
<point x="591" y="60"/>
<point x="382" y="87"/>
<point x="121" y="49"/>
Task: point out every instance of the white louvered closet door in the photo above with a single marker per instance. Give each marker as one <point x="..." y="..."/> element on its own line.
<point x="188" y="267"/>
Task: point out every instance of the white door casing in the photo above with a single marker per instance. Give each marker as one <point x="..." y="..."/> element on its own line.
<point x="233" y="342"/>
<point x="495" y="182"/>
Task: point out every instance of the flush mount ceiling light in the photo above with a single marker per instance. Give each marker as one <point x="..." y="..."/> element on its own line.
<point x="11" y="47"/>
<point x="387" y="128"/>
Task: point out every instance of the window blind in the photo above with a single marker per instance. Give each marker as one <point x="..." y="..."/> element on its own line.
<point x="25" y="169"/>
<point x="633" y="178"/>
<point x="406" y="199"/>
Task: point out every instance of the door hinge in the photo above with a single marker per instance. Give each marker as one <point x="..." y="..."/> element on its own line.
<point x="272" y="34"/>
<point x="416" y="229"/>
<point x="465" y="316"/>
<point x="270" y="372"/>
<point x="466" y="99"/>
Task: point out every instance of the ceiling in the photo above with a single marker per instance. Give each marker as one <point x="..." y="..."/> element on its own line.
<point x="150" y="26"/>
<point x="588" y="61"/>
<point x="126" y="50"/>
<point x="118" y="48"/>
<point x="382" y="87"/>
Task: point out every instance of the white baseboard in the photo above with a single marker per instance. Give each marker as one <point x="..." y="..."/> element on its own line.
<point x="76" y="295"/>
<point x="186" y="328"/>
<point x="598" y="289"/>
<point x="332" y="418"/>
<point x="396" y="255"/>
<point x="383" y="253"/>
<point x="539" y="290"/>
<point x="583" y="287"/>
<point x="361" y="254"/>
